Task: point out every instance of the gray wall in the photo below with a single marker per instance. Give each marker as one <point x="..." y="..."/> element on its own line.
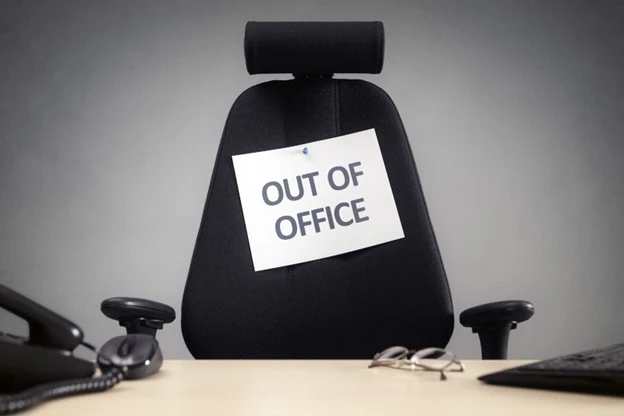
<point x="111" y="113"/>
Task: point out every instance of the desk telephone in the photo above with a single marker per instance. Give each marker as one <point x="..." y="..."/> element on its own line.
<point x="44" y="366"/>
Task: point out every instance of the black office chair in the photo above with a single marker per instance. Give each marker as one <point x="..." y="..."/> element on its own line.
<point x="346" y="306"/>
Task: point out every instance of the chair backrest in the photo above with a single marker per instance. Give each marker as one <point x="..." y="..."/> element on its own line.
<point x="346" y="306"/>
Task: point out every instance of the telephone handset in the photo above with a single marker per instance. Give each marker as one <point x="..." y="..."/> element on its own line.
<point x="46" y="355"/>
<point x="43" y="365"/>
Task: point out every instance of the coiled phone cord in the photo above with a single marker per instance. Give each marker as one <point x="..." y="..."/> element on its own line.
<point x="35" y="395"/>
<point x="32" y="396"/>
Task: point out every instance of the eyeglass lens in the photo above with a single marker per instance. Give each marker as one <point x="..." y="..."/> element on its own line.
<point x="437" y="359"/>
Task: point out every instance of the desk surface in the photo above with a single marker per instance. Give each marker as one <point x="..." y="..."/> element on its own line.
<point x="322" y="388"/>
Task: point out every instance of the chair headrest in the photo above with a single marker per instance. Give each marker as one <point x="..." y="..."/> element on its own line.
<point x="314" y="47"/>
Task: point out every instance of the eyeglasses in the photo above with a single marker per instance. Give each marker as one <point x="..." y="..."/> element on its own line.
<point x="398" y="357"/>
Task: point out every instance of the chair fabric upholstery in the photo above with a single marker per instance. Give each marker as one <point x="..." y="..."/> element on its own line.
<point x="347" y="306"/>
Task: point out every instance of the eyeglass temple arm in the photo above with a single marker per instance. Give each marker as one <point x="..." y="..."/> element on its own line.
<point x="493" y="322"/>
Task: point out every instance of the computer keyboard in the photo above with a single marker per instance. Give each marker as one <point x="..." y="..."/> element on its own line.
<point x="599" y="370"/>
<point x="601" y="359"/>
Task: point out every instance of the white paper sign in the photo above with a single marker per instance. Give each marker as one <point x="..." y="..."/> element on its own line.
<point x="317" y="200"/>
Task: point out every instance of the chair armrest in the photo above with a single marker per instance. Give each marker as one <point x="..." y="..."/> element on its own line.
<point x="497" y="313"/>
<point x="138" y="316"/>
<point x="493" y="322"/>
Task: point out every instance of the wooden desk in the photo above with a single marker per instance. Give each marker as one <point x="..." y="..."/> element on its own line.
<point x="319" y="388"/>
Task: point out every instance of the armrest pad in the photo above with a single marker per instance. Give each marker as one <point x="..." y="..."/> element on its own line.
<point x="124" y="308"/>
<point x="495" y="313"/>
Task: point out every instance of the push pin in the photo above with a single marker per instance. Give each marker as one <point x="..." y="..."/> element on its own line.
<point x="305" y="150"/>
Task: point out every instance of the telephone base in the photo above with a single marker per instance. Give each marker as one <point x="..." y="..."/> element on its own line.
<point x="23" y="365"/>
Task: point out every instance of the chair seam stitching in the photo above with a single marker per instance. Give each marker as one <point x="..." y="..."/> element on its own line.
<point x="336" y="108"/>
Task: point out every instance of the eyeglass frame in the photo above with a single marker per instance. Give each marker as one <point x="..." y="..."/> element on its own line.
<point x="414" y="360"/>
